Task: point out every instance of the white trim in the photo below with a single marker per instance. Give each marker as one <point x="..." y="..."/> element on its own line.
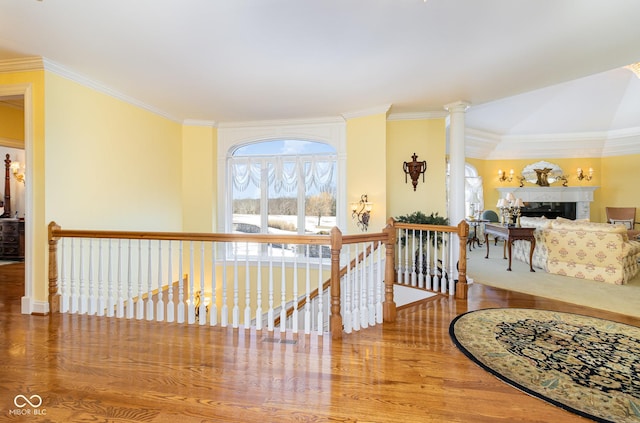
<point x="26" y="91"/>
<point x="418" y="115"/>
<point x="367" y="112"/>
<point x="196" y="122"/>
<point x="10" y="142"/>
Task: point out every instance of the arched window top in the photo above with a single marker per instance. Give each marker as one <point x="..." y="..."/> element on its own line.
<point x="283" y="148"/>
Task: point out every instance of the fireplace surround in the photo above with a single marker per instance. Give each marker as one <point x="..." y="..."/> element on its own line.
<point x="546" y="197"/>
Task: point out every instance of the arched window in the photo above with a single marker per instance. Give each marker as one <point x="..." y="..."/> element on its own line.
<point x="282" y="186"/>
<point x="473" y="192"/>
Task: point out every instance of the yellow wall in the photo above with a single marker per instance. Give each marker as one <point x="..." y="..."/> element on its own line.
<point x="427" y="139"/>
<point x="366" y="168"/>
<point x="110" y="165"/>
<point x="11" y="123"/>
<point x="199" y="189"/>
<point x="620" y="178"/>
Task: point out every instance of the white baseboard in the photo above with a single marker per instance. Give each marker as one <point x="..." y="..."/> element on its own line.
<point x="30" y="306"/>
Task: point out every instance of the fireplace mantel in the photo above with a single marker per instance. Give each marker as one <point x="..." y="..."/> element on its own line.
<point x="582" y="196"/>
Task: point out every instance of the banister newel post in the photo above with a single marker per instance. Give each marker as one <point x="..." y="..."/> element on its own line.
<point x="389" y="305"/>
<point x="335" y="324"/>
<point x="463" y="287"/>
<point x="54" y="295"/>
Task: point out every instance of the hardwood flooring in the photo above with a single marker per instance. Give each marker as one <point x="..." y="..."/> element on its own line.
<point x="116" y="370"/>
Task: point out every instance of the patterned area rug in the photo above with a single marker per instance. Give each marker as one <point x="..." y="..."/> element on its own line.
<point x="585" y="365"/>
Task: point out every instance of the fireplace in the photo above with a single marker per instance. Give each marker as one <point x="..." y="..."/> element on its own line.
<point x="550" y="210"/>
<point x="556" y="201"/>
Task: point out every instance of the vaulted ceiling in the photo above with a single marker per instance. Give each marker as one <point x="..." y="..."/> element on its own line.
<point x="541" y="70"/>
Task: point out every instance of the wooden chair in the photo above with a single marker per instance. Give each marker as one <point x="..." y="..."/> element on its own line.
<point x="626" y="216"/>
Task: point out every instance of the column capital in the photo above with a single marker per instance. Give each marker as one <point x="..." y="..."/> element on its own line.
<point x="457" y="106"/>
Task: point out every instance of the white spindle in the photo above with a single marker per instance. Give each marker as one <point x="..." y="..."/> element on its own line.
<point x="307" y="306"/>
<point x="294" y="316"/>
<point x="247" y="289"/>
<point x="111" y="302"/>
<point x="191" y="309"/>
<point x="364" y="312"/>
<point x="259" y="296"/>
<point x="64" y="289"/>
<point x="82" y="309"/>
<point x="236" y="304"/>
<point x="120" y="302"/>
<point x="171" y="307"/>
<point x="129" y="284"/>
<point x="149" y="285"/>
<point x="452" y="282"/>
<point x="406" y="257"/>
<point x="414" y="275"/>
<point x="180" y="317"/>
<point x="320" y="322"/>
<point x="93" y="300"/>
<point x="283" y="292"/>
<point x="72" y="281"/>
<point x="213" y="311"/>
<point x="270" y="317"/>
<point x="102" y="302"/>
<point x="380" y="286"/>
<point x="140" y="302"/>
<point x="356" y="292"/>
<point x="160" y="301"/>
<point x="398" y="256"/>
<point x="421" y="262"/>
<point x="436" y="277"/>
<point x="202" y="312"/>
<point x="346" y="306"/>
<point x="445" y="262"/>
<point x="224" y="310"/>
<point x="428" y="275"/>
<point x="371" y="288"/>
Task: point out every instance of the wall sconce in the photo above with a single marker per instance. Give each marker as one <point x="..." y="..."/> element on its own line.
<point x="582" y="176"/>
<point x="361" y="212"/>
<point x="15" y="168"/>
<point x="503" y="177"/>
<point x="414" y="169"/>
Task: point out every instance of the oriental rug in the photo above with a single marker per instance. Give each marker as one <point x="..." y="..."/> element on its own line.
<point x="586" y="365"/>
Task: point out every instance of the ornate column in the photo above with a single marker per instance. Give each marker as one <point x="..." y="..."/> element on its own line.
<point x="457" y="210"/>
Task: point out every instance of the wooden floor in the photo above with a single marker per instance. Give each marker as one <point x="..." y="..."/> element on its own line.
<point x="116" y="370"/>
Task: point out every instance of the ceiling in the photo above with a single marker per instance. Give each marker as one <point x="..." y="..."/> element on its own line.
<point x="527" y="68"/>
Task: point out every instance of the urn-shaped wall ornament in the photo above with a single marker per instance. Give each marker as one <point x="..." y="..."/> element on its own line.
<point x="414" y="169"/>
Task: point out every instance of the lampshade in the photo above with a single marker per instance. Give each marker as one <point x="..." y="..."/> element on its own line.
<point x="510" y="197"/>
<point x="519" y="202"/>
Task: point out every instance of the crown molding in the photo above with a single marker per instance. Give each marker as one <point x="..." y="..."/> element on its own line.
<point x="196" y="122"/>
<point x="418" y="115"/>
<point x="367" y="112"/>
<point x="281" y="122"/>
<point x="97" y="86"/>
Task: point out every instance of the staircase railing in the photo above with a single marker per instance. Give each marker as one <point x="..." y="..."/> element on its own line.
<point x="262" y="281"/>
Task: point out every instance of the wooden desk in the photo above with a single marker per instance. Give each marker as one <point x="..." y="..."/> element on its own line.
<point x="510" y="234"/>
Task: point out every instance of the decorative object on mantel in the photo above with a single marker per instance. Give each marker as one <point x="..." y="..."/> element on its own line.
<point x="510" y="209"/>
<point x="581" y="175"/>
<point x="361" y="212"/>
<point x="502" y="177"/>
<point x="414" y="169"/>
<point x="542" y="173"/>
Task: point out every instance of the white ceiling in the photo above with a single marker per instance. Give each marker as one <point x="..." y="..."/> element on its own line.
<point x="527" y="67"/>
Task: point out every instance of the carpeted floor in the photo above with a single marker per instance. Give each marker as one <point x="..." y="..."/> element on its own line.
<point x="585" y="365"/>
<point x="624" y="299"/>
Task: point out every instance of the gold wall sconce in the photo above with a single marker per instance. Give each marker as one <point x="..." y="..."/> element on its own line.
<point x="502" y="176"/>
<point x="15" y="169"/>
<point x="582" y="176"/>
<point x="361" y="212"/>
<point x="414" y="169"/>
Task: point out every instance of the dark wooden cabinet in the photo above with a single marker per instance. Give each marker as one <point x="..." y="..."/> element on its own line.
<point x="11" y="239"/>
